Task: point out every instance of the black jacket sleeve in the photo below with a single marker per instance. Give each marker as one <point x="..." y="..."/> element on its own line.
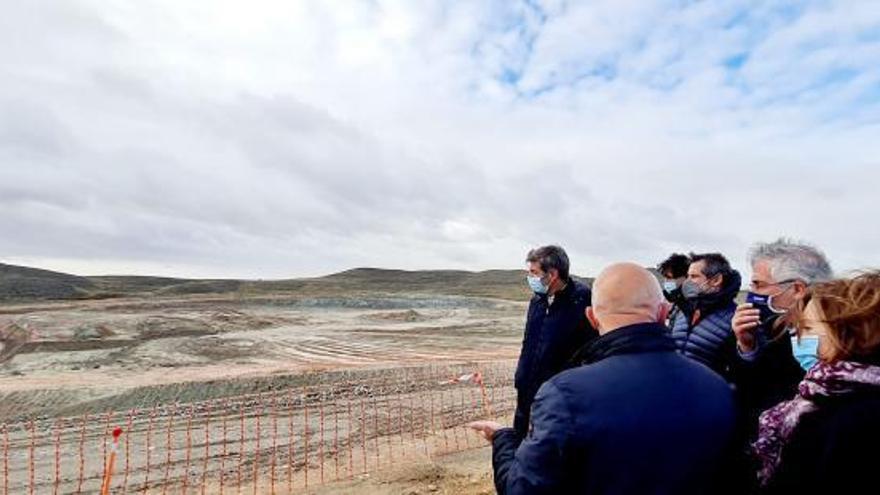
<point x="536" y="465"/>
<point x="772" y="377"/>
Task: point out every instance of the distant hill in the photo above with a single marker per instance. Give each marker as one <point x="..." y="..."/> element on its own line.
<point x="502" y="284"/>
<point x="19" y="283"/>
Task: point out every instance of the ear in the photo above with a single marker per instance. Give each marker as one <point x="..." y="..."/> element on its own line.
<point x="799" y="289"/>
<point x="717" y="280"/>
<point x="591" y="317"/>
<point x="663" y="312"/>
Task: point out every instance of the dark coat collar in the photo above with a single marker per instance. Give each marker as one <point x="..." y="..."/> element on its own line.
<point x="631" y="339"/>
<point x="565" y="294"/>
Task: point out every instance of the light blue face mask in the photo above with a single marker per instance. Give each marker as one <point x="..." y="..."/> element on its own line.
<point x="806" y="350"/>
<point x="537" y="285"/>
<point x="670" y="286"/>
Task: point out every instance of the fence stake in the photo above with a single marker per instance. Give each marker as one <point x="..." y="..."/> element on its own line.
<point x="208" y="411"/>
<point x="128" y="424"/>
<point x="388" y="428"/>
<point x="274" y="445"/>
<point x="433" y="425"/>
<point x="107" y="418"/>
<point x="291" y="449"/>
<point x="57" y="457"/>
<point x="306" y="439"/>
<point x="188" y="454"/>
<point x="350" y="442"/>
<point x="82" y="454"/>
<point x="240" y="446"/>
<point x="443" y="427"/>
<point x="260" y="410"/>
<point x="363" y="435"/>
<point x="149" y="447"/>
<point x="31" y="451"/>
<point x="111" y="462"/>
<point x="224" y="452"/>
<point x="336" y="438"/>
<point x="5" y="459"/>
<point x="168" y="436"/>
<point x="400" y="422"/>
<point x="376" y="425"/>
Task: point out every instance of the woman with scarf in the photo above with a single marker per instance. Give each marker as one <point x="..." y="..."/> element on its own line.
<point x="825" y="440"/>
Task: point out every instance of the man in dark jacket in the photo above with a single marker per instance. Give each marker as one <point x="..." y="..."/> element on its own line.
<point x="556" y="326"/>
<point x="765" y="373"/>
<point x="636" y="418"/>
<point x="702" y="330"/>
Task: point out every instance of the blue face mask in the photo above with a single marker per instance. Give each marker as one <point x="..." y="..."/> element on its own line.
<point x="669" y="286"/>
<point x="806" y="350"/>
<point x="537" y="285"/>
<point x="764" y="304"/>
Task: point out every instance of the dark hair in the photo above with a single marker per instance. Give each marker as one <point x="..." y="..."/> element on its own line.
<point x="716" y="264"/>
<point x="676" y="264"/>
<point x="550" y="257"/>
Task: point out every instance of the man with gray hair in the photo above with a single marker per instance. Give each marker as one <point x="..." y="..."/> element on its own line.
<point x="769" y="369"/>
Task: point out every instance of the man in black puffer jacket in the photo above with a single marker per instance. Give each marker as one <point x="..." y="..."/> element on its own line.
<point x="702" y="330"/>
<point x="636" y="418"/>
<point x="556" y="327"/>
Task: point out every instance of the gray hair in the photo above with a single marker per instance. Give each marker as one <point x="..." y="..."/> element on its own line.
<point x="792" y="260"/>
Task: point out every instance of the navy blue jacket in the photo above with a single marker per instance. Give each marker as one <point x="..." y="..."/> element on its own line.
<point x="637" y="418"/>
<point x="709" y="338"/>
<point x="553" y="333"/>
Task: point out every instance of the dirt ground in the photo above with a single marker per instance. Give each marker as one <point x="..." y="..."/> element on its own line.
<point x="463" y="473"/>
<point x="58" y="355"/>
<point x="81" y="359"/>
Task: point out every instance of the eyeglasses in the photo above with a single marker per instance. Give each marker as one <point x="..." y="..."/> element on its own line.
<point x="761" y="285"/>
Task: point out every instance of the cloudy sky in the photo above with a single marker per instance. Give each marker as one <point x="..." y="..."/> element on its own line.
<point x="295" y="138"/>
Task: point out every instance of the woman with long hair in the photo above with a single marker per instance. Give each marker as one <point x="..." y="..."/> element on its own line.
<point x="825" y="439"/>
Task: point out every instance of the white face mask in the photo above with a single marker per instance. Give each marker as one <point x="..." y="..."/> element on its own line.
<point x="773" y="307"/>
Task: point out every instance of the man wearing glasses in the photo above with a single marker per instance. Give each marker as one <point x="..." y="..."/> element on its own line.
<point x="767" y="371"/>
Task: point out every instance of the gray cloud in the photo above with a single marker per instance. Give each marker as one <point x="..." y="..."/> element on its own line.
<point x="301" y="138"/>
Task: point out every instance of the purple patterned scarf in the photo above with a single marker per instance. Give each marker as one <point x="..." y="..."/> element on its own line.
<point x="776" y="424"/>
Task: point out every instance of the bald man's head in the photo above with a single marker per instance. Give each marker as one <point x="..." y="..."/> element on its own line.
<point x="626" y="294"/>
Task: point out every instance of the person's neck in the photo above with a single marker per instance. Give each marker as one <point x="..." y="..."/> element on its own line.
<point x="617" y="322"/>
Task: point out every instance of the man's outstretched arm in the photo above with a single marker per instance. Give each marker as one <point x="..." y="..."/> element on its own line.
<point x="537" y="463"/>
